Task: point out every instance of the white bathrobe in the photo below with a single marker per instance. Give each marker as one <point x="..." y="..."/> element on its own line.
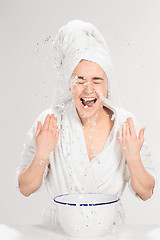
<point x="69" y="168"/>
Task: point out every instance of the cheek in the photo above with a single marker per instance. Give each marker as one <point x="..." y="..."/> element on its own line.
<point x="101" y="88"/>
<point x="104" y="89"/>
<point x="76" y="92"/>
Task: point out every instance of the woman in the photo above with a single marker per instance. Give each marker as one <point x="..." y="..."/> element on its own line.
<point x="86" y="141"/>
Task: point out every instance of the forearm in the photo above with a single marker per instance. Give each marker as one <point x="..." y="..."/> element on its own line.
<point x="142" y="182"/>
<point x="30" y="179"/>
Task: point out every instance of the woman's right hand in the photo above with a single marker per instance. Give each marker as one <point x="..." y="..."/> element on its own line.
<point x="46" y="137"/>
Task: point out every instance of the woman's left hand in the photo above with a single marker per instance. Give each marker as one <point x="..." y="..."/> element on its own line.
<point x="129" y="142"/>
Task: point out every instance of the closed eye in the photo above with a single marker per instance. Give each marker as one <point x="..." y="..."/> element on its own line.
<point x="81" y="82"/>
<point x="98" y="82"/>
<point x="93" y="82"/>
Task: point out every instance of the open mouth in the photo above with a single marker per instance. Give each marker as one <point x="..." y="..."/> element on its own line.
<point x="88" y="103"/>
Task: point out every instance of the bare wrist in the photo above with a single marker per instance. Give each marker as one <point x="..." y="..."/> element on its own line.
<point x="135" y="158"/>
<point x="41" y="156"/>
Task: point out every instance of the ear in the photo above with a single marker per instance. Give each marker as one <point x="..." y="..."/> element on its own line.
<point x="106" y="95"/>
<point x="69" y="89"/>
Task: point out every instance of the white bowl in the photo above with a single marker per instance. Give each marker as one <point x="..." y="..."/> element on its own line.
<point x="86" y="215"/>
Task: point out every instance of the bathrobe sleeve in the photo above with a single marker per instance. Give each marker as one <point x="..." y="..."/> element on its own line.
<point x="145" y="154"/>
<point x="29" y="148"/>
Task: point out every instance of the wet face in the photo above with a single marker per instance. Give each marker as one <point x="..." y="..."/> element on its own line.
<point x="87" y="82"/>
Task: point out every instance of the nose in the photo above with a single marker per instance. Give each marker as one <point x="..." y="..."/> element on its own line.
<point x="89" y="88"/>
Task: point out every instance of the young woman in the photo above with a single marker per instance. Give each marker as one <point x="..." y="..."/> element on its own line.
<point x="86" y="141"/>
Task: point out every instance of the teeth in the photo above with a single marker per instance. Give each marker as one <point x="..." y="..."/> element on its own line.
<point x="88" y="99"/>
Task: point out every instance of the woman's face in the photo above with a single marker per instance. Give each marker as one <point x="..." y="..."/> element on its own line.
<point x="87" y="80"/>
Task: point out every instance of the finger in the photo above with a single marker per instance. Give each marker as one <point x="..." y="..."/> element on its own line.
<point x="46" y="122"/>
<point x="37" y="131"/>
<point x="39" y="126"/>
<point x="124" y="135"/>
<point x="121" y="141"/>
<point x="57" y="134"/>
<point x="55" y="122"/>
<point x="52" y="122"/>
<point x="141" y="135"/>
<point x="124" y="132"/>
<point x="128" y="123"/>
<point x="131" y="126"/>
<point x="127" y="129"/>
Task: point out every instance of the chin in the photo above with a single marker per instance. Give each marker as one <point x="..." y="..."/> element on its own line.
<point x="87" y="112"/>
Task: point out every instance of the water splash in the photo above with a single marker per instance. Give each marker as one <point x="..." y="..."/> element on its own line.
<point x="101" y="95"/>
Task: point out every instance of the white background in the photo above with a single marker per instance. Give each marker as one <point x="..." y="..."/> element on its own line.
<point x="27" y="78"/>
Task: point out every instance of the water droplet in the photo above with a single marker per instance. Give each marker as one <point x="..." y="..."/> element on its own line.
<point x="94" y="124"/>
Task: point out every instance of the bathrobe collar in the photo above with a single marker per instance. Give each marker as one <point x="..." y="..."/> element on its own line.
<point x="90" y="174"/>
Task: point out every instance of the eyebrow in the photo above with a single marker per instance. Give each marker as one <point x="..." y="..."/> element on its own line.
<point x="94" y="78"/>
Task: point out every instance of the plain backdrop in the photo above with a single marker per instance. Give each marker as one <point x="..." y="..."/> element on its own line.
<point x="27" y="80"/>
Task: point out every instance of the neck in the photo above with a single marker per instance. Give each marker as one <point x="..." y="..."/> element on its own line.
<point x="96" y="119"/>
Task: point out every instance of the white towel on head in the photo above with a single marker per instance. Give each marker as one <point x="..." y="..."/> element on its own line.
<point x="75" y="41"/>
